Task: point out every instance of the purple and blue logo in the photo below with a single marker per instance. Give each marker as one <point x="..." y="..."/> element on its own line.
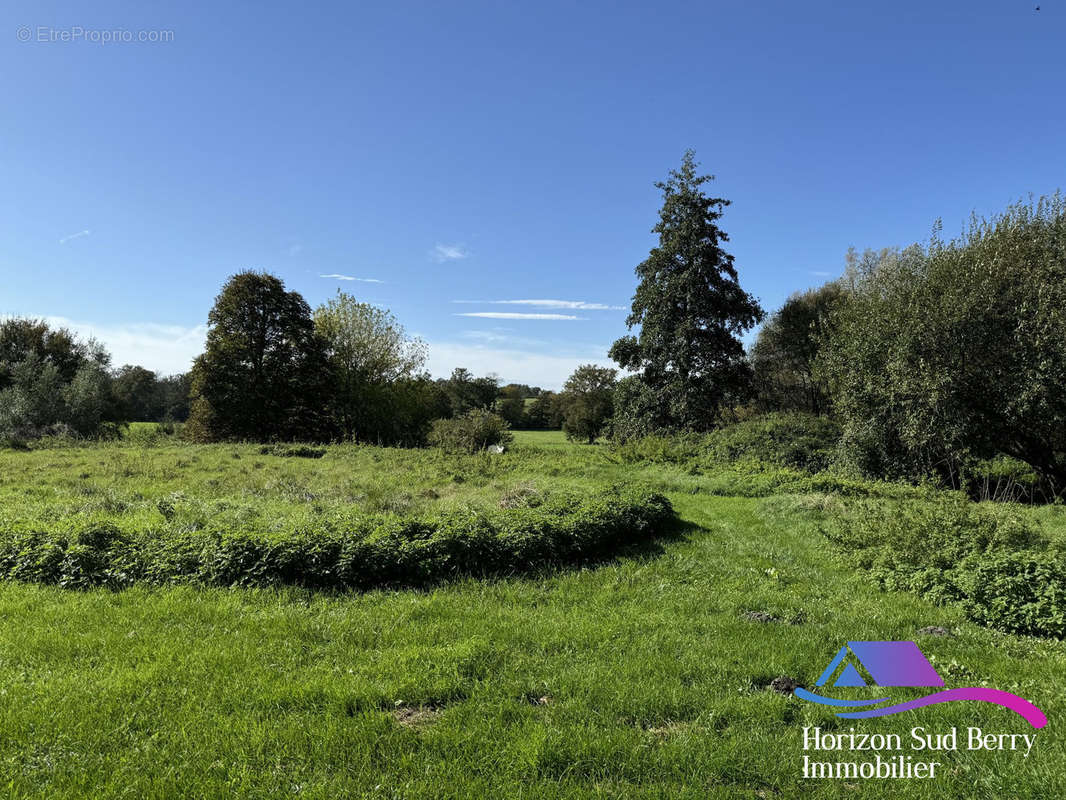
<point x="902" y="664"/>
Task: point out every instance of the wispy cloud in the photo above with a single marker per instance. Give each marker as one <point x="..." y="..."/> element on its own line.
<point x="515" y="315"/>
<point x="74" y="236"/>
<point x="295" y="249"/>
<point x="577" y="305"/>
<point x="820" y="273"/>
<point x="167" y="349"/>
<point x="449" y="252"/>
<point x="338" y="277"/>
<point x="497" y="336"/>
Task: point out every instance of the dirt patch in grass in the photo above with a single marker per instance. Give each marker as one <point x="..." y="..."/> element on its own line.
<point x="416" y="717"/>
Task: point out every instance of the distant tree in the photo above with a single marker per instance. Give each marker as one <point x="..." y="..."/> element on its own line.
<point x="958" y="351"/>
<point x="512" y="404"/>
<point x="21" y="337"/>
<point x="785" y="351"/>
<point x="588" y="401"/>
<point x="522" y="390"/>
<point x="465" y="392"/>
<point x="544" y="413"/>
<point x="368" y="351"/>
<point x="691" y="311"/>
<point x="263" y="375"/>
<point x="50" y="381"/>
<point x="137" y="395"/>
<point x="174" y="397"/>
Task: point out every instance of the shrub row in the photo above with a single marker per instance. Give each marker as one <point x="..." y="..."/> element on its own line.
<point x="798" y="441"/>
<point x="989" y="559"/>
<point x="378" y="551"/>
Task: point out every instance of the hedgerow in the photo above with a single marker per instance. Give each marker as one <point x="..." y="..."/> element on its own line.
<point x="798" y="441"/>
<point x="378" y="550"/>
<point x="989" y="559"/>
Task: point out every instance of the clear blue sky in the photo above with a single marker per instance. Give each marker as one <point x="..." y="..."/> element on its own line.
<point x="496" y="151"/>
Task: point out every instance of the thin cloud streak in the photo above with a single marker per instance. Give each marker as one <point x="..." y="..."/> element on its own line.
<point x="74" y="236"/>
<point x="516" y="315"/>
<point x="577" y="305"/>
<point x="338" y="277"/>
<point x="449" y="252"/>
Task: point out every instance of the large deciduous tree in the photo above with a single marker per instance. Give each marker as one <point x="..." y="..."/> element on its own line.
<point x="263" y="375"/>
<point x="691" y="311"/>
<point x="369" y="352"/>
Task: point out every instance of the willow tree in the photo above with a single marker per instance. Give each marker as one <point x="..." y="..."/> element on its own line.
<point x="957" y="351"/>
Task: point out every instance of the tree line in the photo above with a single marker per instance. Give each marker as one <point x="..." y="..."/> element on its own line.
<point x="930" y="358"/>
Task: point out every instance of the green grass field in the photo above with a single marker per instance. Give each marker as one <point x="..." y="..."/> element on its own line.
<point x="641" y="677"/>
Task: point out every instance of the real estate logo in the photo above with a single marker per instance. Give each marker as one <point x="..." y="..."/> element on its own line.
<point x="891" y="664"/>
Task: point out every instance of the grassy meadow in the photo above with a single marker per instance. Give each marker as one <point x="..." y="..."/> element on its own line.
<point x="644" y="675"/>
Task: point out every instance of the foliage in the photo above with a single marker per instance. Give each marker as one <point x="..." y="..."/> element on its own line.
<point x="691" y="311"/>
<point x="466" y="393"/>
<point x="140" y="395"/>
<point x="785" y="351"/>
<point x="957" y="352"/>
<point x="136" y="394"/>
<point x="798" y="440"/>
<point x="377" y="551"/>
<point x="474" y="431"/>
<point x="988" y="558"/>
<point x="369" y="352"/>
<point x="263" y="375"/>
<point x="50" y="382"/>
<point x="545" y="412"/>
<point x="588" y="402"/>
<point x="512" y="409"/>
<point x="638" y="412"/>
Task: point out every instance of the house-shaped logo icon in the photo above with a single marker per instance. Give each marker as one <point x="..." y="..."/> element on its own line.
<point x="885" y="663"/>
<point x="861" y="664"/>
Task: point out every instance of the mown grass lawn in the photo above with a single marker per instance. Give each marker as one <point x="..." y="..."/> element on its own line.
<point x="638" y="678"/>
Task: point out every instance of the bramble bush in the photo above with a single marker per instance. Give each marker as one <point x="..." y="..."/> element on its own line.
<point x="988" y="558"/>
<point x="379" y="550"/>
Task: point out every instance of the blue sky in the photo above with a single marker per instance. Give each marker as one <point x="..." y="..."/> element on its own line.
<point x="493" y="152"/>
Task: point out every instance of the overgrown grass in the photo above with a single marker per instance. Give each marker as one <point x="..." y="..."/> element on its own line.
<point x="642" y="677"/>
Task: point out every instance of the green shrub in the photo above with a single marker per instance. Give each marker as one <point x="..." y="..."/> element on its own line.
<point x="798" y="440"/>
<point x="378" y="550"/>
<point x="474" y="431"/>
<point x="1002" y="479"/>
<point x="795" y="440"/>
<point x="1021" y="592"/>
<point x="987" y="558"/>
<point x="661" y="449"/>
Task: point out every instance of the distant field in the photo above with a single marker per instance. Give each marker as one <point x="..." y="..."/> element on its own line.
<point x="642" y="677"/>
